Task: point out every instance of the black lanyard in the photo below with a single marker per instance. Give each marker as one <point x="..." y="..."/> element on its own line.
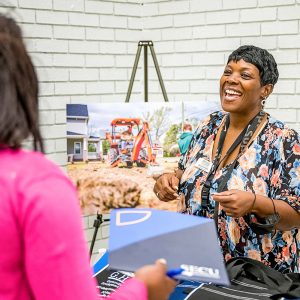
<point x="242" y="139"/>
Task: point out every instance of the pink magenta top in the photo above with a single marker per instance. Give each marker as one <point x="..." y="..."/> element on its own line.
<point x="43" y="251"/>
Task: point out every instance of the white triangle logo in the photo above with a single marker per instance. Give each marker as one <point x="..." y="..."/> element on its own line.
<point x="146" y="214"/>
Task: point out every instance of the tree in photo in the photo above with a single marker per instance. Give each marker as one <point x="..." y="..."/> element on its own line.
<point x="105" y="147"/>
<point x="170" y="142"/>
<point x="92" y="147"/>
<point x="158" y="121"/>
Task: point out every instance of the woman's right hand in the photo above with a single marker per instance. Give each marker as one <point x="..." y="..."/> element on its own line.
<point x="166" y="187"/>
<point x="158" y="284"/>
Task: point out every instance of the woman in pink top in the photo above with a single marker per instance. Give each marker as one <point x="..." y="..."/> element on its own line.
<point x="43" y="252"/>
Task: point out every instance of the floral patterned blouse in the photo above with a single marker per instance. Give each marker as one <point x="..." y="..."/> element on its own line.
<point x="270" y="166"/>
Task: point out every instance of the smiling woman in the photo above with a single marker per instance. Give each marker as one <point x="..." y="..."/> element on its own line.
<point x="242" y="168"/>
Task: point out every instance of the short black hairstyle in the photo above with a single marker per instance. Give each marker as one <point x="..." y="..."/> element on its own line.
<point x="260" y="58"/>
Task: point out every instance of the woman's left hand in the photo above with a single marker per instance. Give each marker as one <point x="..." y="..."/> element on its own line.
<point x="235" y="203"/>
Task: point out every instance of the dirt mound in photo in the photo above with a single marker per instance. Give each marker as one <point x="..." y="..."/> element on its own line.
<point x="103" y="193"/>
<point x="101" y="188"/>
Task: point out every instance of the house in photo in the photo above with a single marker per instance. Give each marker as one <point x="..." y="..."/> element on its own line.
<point x="80" y="146"/>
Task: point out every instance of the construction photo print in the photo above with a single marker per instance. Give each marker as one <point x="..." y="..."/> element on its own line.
<point x="116" y="150"/>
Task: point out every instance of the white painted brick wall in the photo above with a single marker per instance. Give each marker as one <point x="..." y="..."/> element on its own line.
<point x="135" y="23"/>
<point x="68" y="32"/>
<point x="279" y="28"/>
<point x="126" y="35"/>
<point x="268" y="42"/>
<point x="205" y="6"/>
<point x="99" y="7"/>
<point x="37" y="31"/>
<point x="99" y="33"/>
<point x="172" y="34"/>
<point x="50" y="17"/>
<point x="82" y="19"/>
<point x="84" y="47"/>
<point x="289" y="41"/>
<point x="35" y="4"/>
<point x="46" y="89"/>
<point x="86" y="74"/>
<point x="247" y="29"/>
<point x="208" y="59"/>
<point x="66" y="5"/>
<point x="158" y="22"/>
<point x="113" y="21"/>
<point x="173" y="7"/>
<point x="262" y="3"/>
<point x="285" y="13"/>
<point x="234" y="4"/>
<point x="52" y="74"/>
<point x="84" y="52"/>
<point x="112" y="48"/>
<point x="96" y="88"/>
<point x="193" y="20"/>
<point x="127" y="9"/>
<point x="69" y="88"/>
<point x="50" y="46"/>
<point x="261" y="14"/>
<point x="211" y="31"/>
<point x="183" y="73"/>
<point x="223" y="17"/>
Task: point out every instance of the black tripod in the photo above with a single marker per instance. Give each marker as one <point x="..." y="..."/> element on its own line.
<point x="145" y="45"/>
<point x="97" y="223"/>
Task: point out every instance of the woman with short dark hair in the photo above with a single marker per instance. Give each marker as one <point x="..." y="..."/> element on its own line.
<point x="243" y="168"/>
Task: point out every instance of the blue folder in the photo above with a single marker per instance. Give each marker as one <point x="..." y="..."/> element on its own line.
<point x="140" y="236"/>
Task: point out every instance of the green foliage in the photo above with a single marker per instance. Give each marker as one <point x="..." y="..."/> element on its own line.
<point x="170" y="141"/>
<point x="92" y="147"/>
<point x="105" y="147"/>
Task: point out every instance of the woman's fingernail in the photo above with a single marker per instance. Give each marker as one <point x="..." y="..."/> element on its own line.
<point x="162" y="261"/>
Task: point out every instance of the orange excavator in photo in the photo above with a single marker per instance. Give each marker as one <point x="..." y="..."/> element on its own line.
<point x="127" y="149"/>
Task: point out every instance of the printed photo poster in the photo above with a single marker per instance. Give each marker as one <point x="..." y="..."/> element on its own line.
<point x="115" y="150"/>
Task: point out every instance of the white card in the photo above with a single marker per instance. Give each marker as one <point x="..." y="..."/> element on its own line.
<point x="203" y="164"/>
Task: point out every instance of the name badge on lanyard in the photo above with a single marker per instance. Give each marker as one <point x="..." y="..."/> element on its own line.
<point x="203" y="164"/>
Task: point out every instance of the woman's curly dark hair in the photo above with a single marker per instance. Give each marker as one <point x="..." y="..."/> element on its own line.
<point x="260" y="58"/>
<point x="18" y="89"/>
